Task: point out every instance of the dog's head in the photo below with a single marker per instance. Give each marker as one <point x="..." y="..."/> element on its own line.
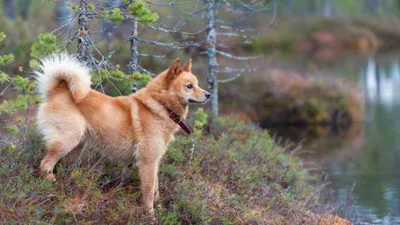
<point x="180" y="81"/>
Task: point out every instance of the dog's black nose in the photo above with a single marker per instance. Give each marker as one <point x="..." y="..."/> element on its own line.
<point x="208" y="95"/>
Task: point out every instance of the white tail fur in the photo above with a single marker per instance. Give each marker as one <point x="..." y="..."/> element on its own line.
<point x="63" y="67"/>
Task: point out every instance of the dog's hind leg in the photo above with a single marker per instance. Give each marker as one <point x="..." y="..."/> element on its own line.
<point x="56" y="150"/>
<point x="63" y="129"/>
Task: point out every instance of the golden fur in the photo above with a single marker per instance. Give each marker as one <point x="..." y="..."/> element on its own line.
<point x="134" y="128"/>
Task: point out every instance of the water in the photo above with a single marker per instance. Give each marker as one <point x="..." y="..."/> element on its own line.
<point x="363" y="163"/>
<point x="375" y="170"/>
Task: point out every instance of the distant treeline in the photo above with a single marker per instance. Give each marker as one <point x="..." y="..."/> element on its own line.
<point x="329" y="8"/>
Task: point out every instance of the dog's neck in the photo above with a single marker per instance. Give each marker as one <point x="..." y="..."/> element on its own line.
<point x="158" y="90"/>
<point x="171" y="103"/>
<point x="162" y="100"/>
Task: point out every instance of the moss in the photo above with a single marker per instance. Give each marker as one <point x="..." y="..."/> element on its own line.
<point x="315" y="110"/>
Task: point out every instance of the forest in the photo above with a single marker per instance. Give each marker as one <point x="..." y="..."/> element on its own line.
<point x="304" y="113"/>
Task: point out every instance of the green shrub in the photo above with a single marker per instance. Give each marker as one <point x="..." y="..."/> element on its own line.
<point x="143" y="13"/>
<point x="25" y="88"/>
<point x="46" y="45"/>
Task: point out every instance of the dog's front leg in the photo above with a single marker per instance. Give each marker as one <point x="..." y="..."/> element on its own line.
<point x="156" y="191"/>
<point x="147" y="173"/>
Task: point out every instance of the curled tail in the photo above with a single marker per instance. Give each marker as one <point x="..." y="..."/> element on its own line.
<point x="57" y="68"/>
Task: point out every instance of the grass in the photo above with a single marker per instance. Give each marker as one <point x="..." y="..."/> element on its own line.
<point x="235" y="176"/>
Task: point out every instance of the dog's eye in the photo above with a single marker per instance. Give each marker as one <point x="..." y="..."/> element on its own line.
<point x="190" y="86"/>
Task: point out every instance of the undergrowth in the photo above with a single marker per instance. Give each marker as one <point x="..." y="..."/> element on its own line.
<point x="236" y="176"/>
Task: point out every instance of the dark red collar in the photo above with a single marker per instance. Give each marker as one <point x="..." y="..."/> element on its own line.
<point x="178" y="120"/>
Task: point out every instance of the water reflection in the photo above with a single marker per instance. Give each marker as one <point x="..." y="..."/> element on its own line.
<point x="364" y="161"/>
<point x="381" y="83"/>
<point x="375" y="171"/>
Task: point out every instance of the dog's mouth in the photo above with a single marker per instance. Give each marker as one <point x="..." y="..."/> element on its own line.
<point x="197" y="102"/>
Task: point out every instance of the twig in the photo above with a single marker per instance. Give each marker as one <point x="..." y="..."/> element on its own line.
<point x="228" y="55"/>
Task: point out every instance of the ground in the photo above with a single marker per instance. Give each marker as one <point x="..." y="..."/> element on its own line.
<point x="236" y="175"/>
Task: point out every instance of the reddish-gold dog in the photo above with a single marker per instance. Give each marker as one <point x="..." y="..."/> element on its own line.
<point x="134" y="128"/>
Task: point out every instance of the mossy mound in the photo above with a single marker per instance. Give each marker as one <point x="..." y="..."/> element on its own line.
<point x="237" y="176"/>
<point x="277" y="97"/>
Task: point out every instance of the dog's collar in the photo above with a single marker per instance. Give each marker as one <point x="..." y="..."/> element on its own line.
<point x="178" y="120"/>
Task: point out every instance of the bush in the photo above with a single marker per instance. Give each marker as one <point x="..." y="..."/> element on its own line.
<point x="277" y="97"/>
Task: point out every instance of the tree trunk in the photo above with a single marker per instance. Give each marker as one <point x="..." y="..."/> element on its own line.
<point x="63" y="14"/>
<point x="378" y="4"/>
<point x="134" y="62"/>
<point x="212" y="58"/>
<point x="387" y="7"/>
<point x="9" y="8"/>
<point x="289" y="6"/>
<point x="328" y="8"/>
<point x="83" y="39"/>
<point x="370" y="6"/>
<point x="25" y="9"/>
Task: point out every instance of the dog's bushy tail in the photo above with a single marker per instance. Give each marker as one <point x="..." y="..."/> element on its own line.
<point x="63" y="67"/>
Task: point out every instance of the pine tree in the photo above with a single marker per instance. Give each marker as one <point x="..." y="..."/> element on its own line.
<point x="26" y="95"/>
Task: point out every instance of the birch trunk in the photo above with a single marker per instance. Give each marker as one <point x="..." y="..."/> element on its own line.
<point x="134" y="62"/>
<point x="212" y="57"/>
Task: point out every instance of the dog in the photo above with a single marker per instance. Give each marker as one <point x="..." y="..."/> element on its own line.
<point x="133" y="129"/>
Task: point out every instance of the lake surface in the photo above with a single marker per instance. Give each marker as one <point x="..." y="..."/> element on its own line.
<point x="363" y="163"/>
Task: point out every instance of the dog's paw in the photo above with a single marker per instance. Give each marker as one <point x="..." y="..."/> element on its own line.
<point x="49" y="176"/>
<point x="151" y="218"/>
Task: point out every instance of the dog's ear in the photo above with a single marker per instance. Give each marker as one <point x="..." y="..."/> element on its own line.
<point x="174" y="70"/>
<point x="188" y="66"/>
